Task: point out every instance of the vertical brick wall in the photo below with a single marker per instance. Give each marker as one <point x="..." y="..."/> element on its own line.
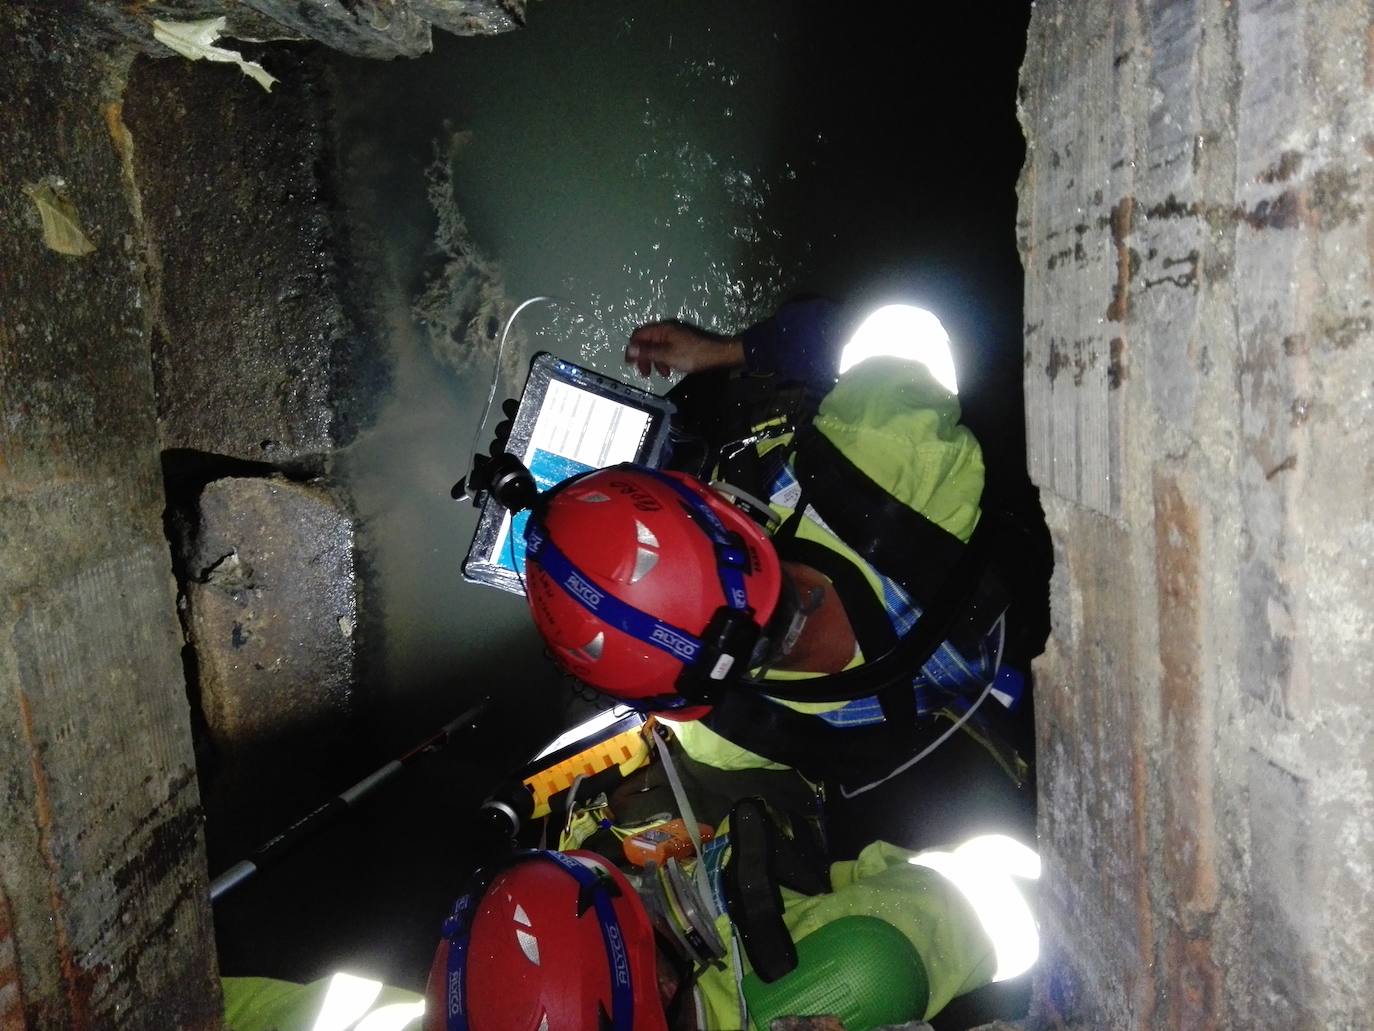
<point x="1196" y="229"/>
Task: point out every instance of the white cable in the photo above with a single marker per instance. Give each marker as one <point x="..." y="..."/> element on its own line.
<point x="496" y="369"/>
<point x="1001" y="641"/>
<point x="572" y="798"/>
<point x="500" y="353"/>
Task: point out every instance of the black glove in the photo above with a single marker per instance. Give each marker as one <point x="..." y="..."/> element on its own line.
<point x="478" y="479"/>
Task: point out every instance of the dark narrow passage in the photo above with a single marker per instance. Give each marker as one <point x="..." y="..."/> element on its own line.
<point x="644" y="160"/>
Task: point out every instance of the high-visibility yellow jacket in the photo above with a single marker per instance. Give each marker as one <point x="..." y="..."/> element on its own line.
<point x="928" y="910"/>
<point x="267" y="1004"/>
<point x="893" y="421"/>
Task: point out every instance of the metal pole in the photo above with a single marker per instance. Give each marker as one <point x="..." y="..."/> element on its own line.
<point x="317" y="819"/>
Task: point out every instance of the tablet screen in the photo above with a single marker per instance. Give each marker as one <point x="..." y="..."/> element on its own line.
<point x="576" y="431"/>
<point x="570" y="421"/>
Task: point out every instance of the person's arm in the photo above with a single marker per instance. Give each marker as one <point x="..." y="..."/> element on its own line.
<point x="801" y="342"/>
<point x="668" y="347"/>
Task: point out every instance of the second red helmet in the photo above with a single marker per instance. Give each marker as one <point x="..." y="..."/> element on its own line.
<point x="552" y="941"/>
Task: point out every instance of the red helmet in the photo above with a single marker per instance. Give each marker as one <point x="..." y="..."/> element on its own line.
<point x="634" y="575"/>
<point x="555" y="942"/>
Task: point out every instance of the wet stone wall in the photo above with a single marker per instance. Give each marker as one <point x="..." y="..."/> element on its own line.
<point x="246" y="315"/>
<point x="1195" y="227"/>
<point x="104" y="914"/>
<point x="269" y="357"/>
<point x="181" y="584"/>
<point x="257" y="377"/>
<point x="381" y="29"/>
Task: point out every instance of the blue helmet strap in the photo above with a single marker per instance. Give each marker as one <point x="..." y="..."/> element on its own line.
<point x="458" y="932"/>
<point x="595" y="891"/>
<point x="539" y="547"/>
<point x="617" y="952"/>
<point x="732" y="558"/>
<point x="726" y="647"/>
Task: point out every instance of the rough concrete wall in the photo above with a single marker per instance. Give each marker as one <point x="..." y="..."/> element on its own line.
<point x="260" y="375"/>
<point x="247" y="316"/>
<point x="362" y="28"/>
<point x="103" y="891"/>
<point x="271" y="607"/>
<point x="11" y="990"/>
<point x="1196" y="231"/>
<point x="273" y="582"/>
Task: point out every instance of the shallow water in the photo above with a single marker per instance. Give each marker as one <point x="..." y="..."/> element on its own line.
<point x="630" y="170"/>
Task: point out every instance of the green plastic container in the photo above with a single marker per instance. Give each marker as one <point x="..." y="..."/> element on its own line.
<point x="858" y="968"/>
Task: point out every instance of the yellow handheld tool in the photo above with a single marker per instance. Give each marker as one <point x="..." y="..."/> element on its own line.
<point x="619" y="742"/>
<point x="611" y="740"/>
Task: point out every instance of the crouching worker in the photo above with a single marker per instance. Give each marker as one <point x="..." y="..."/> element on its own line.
<point x="566" y="941"/>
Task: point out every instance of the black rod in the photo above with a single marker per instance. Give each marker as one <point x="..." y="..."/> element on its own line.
<point x="324" y="815"/>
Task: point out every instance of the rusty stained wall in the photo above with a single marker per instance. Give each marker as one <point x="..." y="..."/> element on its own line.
<point x="1196" y="230"/>
<point x="104" y="909"/>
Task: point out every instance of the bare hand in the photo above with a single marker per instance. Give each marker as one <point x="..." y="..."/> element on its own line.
<point x="677" y="347"/>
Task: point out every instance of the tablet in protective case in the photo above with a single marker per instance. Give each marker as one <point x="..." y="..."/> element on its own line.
<point x="570" y="420"/>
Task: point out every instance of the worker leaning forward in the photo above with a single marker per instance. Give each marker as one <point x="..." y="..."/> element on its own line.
<point x="806" y="593"/>
<point x="813" y="582"/>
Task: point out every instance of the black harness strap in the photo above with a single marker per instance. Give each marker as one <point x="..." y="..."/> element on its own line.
<point x="872" y="629"/>
<point x="910" y="653"/>
<point x="763" y="859"/>
<point x="813" y="747"/>
<point x="893" y="538"/>
<point x="867" y="617"/>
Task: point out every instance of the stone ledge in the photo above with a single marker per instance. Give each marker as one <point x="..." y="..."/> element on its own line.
<point x="272" y="607"/>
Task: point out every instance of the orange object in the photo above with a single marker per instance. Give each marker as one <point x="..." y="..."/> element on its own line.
<point x="665" y="840"/>
<point x="620" y="750"/>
